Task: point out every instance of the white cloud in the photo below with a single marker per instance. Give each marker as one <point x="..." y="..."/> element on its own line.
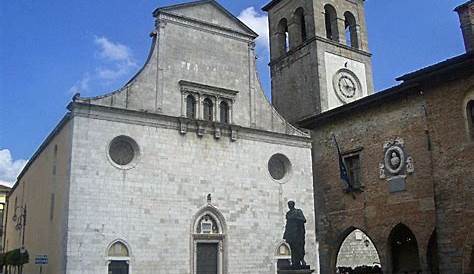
<point x="81" y="85"/>
<point x="9" y="168"/>
<point x="112" y="51"/>
<point x="116" y="61"/>
<point x="112" y="74"/>
<point x="119" y="57"/>
<point x="258" y="22"/>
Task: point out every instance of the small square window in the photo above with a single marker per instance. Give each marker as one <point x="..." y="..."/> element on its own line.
<point x="352" y="162"/>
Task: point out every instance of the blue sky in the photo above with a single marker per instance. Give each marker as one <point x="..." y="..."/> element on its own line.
<point x="50" y="49"/>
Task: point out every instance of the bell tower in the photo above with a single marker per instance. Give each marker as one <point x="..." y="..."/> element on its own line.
<point x="319" y="56"/>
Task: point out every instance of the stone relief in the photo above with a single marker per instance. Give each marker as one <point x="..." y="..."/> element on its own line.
<point x="396" y="162"/>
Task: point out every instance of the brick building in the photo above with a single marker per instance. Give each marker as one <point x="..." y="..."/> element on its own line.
<point x="409" y="151"/>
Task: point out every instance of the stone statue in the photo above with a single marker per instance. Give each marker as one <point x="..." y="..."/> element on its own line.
<point x="295" y="235"/>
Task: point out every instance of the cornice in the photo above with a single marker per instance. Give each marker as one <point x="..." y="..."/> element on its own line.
<point x="201" y="88"/>
<point x="202" y="25"/>
<point x="186" y="126"/>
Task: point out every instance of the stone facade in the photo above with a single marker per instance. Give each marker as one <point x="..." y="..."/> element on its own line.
<point x="140" y="173"/>
<point x="180" y="156"/>
<point x="431" y="195"/>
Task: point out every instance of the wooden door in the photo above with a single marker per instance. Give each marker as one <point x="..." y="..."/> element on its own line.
<point x="118" y="267"/>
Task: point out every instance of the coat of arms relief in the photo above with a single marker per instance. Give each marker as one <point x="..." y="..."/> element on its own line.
<point x="396" y="165"/>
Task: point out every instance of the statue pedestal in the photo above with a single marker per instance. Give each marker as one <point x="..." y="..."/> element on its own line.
<point x="306" y="270"/>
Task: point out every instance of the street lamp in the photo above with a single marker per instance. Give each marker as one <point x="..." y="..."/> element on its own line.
<point x="20" y="224"/>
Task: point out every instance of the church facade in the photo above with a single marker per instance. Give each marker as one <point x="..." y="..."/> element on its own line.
<point x="186" y="169"/>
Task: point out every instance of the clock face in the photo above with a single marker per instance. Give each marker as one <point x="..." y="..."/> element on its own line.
<point x="346" y="85"/>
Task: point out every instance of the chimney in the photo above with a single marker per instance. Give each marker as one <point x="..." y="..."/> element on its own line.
<point x="466" y="16"/>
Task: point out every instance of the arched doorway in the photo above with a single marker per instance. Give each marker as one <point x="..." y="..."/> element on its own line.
<point x="432" y="254"/>
<point x="119" y="258"/>
<point x="404" y="250"/>
<point x="357" y="254"/>
<point x="282" y="257"/>
<point x="208" y="241"/>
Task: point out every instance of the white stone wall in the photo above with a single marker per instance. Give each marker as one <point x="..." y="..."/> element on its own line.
<point x="333" y="63"/>
<point x="151" y="207"/>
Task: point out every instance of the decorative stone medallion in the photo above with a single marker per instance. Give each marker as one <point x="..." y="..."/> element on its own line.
<point x="396" y="164"/>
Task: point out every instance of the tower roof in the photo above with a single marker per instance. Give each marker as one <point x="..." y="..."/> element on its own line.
<point x="273" y="3"/>
<point x="468" y="3"/>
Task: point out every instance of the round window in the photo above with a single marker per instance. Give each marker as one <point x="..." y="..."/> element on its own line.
<point x="279" y="166"/>
<point x="123" y="150"/>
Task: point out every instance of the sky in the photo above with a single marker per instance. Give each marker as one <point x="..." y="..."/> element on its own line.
<point x="51" y="49"/>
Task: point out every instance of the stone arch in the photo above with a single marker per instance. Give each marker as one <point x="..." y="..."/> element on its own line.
<point x="191" y="106"/>
<point x="357" y="249"/>
<point x="330" y="21"/>
<point x="208" y="242"/>
<point x="282" y="37"/>
<point x="215" y="213"/>
<point x="300" y="21"/>
<point x="118" y="241"/>
<point x="403" y="250"/>
<point x="282" y="256"/>
<point x="351" y="32"/>
<point x="118" y="255"/>
<point x="467" y="110"/>
<point x="208" y="109"/>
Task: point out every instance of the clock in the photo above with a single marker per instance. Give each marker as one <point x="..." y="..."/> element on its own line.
<point x="346" y="85"/>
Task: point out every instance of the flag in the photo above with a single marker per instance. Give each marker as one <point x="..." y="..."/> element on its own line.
<point x="343" y="169"/>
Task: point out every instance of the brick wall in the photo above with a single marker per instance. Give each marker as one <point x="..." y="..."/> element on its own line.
<point x="438" y="195"/>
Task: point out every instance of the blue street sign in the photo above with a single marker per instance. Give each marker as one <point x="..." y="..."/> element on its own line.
<point x="41" y="259"/>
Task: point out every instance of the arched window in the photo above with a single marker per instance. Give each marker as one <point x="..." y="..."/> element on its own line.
<point x="300" y="20"/>
<point x="208" y="110"/>
<point x="283" y="37"/>
<point x="351" y="30"/>
<point x="470" y="118"/>
<point x="224" y="112"/>
<point x="208" y="242"/>
<point x="191" y="107"/>
<point x="357" y="250"/>
<point x="119" y="258"/>
<point x="330" y="18"/>
<point x="282" y="257"/>
<point x="404" y="250"/>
